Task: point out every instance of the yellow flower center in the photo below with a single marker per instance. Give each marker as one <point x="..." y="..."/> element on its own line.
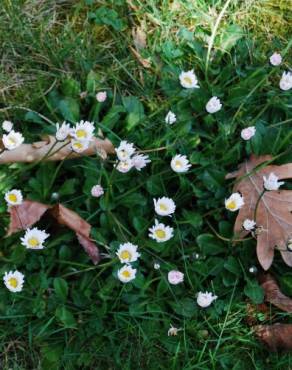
<point x="126" y="274"/>
<point x="33" y="242"/>
<point x="188" y="80"/>
<point x="160" y="233"/>
<point x="81" y="133"/>
<point x="11" y="140"/>
<point x="231" y="204"/>
<point x="12" y="198"/>
<point x="13" y="282"/>
<point x="178" y="164"/>
<point x="126" y="255"/>
<point x="163" y="207"/>
<point x="78" y="145"/>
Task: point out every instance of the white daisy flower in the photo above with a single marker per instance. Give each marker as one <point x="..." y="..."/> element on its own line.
<point x="160" y="232"/>
<point x="101" y="96"/>
<point x="175" y="277"/>
<point x="12" y="140"/>
<point x="234" y="202"/>
<point x="126" y="274"/>
<point x="7" y="126"/>
<point x="34" y="238"/>
<point x="172" y="331"/>
<point x="213" y="105"/>
<point x="140" y="161"/>
<point x="127" y="253"/>
<point x="13" y="281"/>
<point x="63" y="131"/>
<point x="83" y="131"/>
<point x="180" y="163"/>
<point x="189" y="80"/>
<point x="156" y="266"/>
<point x="79" y="146"/>
<point x="276" y="59"/>
<point x="164" y="206"/>
<point x="170" y="118"/>
<point x="124" y="166"/>
<point x="13" y="197"/>
<point x="272" y="183"/>
<point x="286" y="81"/>
<point x="125" y="150"/>
<point x="248" y="133"/>
<point x="205" y="299"/>
<point x="248" y="224"/>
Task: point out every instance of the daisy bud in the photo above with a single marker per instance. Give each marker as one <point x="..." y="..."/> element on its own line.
<point x="97" y="191"/>
<point x="271" y="182"/>
<point x="7" y="126"/>
<point x="248" y="133"/>
<point x="286" y="81"/>
<point x="172" y="331"/>
<point x="248" y="224"/>
<point x="156" y="266"/>
<point x="101" y="96"/>
<point x="253" y="270"/>
<point x="205" y="299"/>
<point x="189" y="80"/>
<point x="170" y="118"/>
<point x="213" y="105"/>
<point x="63" y="131"/>
<point x="276" y="59"/>
<point x="175" y="277"/>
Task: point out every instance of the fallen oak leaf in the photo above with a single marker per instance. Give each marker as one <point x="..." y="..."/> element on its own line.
<point x="58" y="151"/>
<point x="273" y="293"/>
<point x="25" y="215"/>
<point x="277" y="336"/>
<point x="30" y="212"/>
<point x="274" y="210"/>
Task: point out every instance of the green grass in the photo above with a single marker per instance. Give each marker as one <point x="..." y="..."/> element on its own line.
<point x="53" y="51"/>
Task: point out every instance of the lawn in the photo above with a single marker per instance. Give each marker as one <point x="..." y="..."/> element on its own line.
<point x="119" y="64"/>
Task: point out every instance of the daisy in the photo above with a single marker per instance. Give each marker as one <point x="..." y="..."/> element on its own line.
<point x="97" y="191"/>
<point x="13" y="197"/>
<point x="175" y="277"/>
<point x="156" y="266"/>
<point x="160" y="232"/>
<point x="126" y="274"/>
<point x="7" y="126"/>
<point x="79" y="146"/>
<point x="234" y="202"/>
<point x="83" y="131"/>
<point x="140" y="161"/>
<point x="101" y="96"/>
<point x="276" y="59"/>
<point x="164" y="206"/>
<point x="205" y="299"/>
<point x="248" y="133"/>
<point x="248" y="224"/>
<point x="213" y="105"/>
<point x="12" y="140"/>
<point x="172" y="331"/>
<point x="34" y="238"/>
<point x="272" y="183"/>
<point x="13" y="281"/>
<point x="170" y="118"/>
<point x="124" y="166"/>
<point x="286" y="81"/>
<point x="127" y="253"/>
<point x="189" y="80"/>
<point x="63" y="131"/>
<point x="125" y="150"/>
<point x="180" y="163"/>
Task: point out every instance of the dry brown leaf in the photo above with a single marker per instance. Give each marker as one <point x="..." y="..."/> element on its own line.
<point x="29" y="212"/>
<point x="253" y="311"/>
<point x="277" y="336"/>
<point x="25" y="215"/>
<point x="139" y="38"/>
<point x="145" y="62"/>
<point x="38" y="150"/>
<point x="273" y="293"/>
<point x="274" y="213"/>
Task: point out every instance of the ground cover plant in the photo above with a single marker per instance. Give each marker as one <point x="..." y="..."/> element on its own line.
<point x="185" y="93"/>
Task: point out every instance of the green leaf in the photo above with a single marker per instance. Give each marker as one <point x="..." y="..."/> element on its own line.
<point x="232" y="266"/>
<point x="194" y="218"/>
<point x="69" y="109"/>
<point x="61" y="288"/>
<point x="92" y="82"/>
<point x="286" y="283"/>
<point x="185" y="307"/>
<point x="229" y="37"/>
<point x="254" y="291"/>
<point x="70" y="88"/>
<point x="135" y="111"/>
<point x="66" y="317"/>
<point x="68" y="187"/>
<point x="210" y="245"/>
<point x="109" y="17"/>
